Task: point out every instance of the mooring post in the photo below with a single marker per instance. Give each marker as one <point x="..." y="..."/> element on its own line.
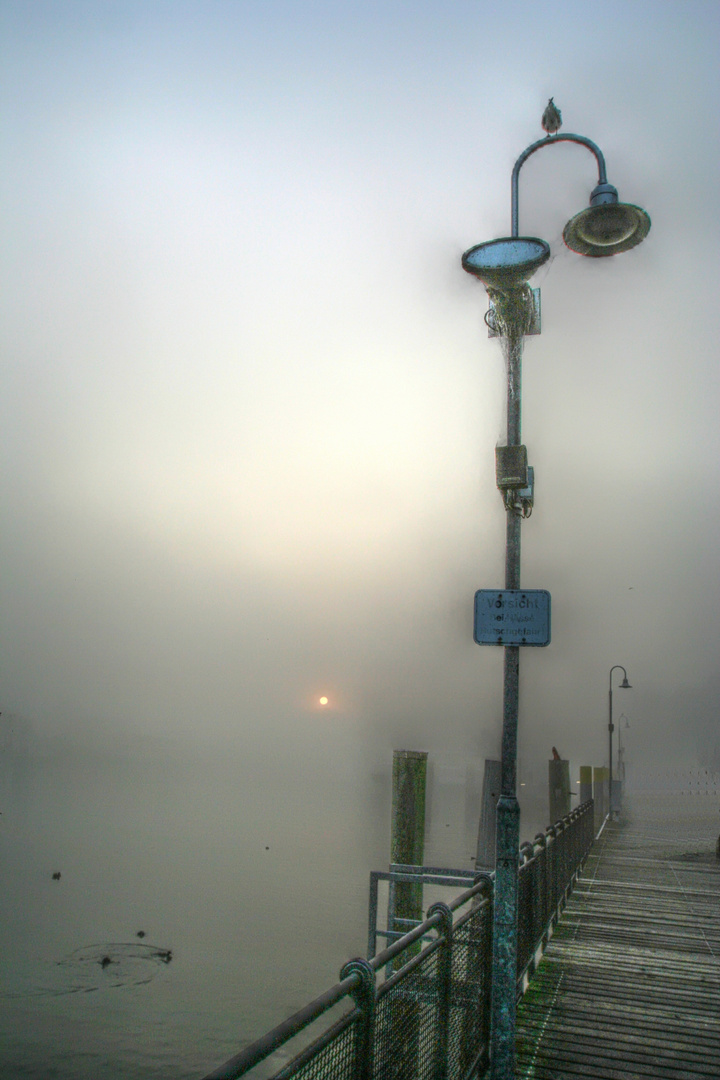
<point x="559" y="788"/>
<point x="407" y="847"/>
<point x="407" y="844"/>
<point x="492" y="780"/>
<point x="599" y="785"/>
<point x="586" y="791"/>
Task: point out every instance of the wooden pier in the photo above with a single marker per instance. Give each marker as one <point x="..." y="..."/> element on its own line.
<point x="629" y="986"/>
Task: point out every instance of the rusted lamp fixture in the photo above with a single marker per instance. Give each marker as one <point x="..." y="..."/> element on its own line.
<point x="506" y="263"/>
<point x="607" y="226"/>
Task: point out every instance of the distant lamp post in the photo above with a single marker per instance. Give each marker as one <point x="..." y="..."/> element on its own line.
<point x="624" y="685"/>
<point x="504" y="266"/>
<point x="621" y="747"/>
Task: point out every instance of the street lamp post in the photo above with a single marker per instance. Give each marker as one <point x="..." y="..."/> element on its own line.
<point x="621" y="748"/>
<point x="504" y="266"/>
<point x="624" y="685"/>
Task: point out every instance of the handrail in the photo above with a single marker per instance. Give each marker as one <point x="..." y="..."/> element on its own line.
<point x="547" y="868"/>
<point x="267" y="1044"/>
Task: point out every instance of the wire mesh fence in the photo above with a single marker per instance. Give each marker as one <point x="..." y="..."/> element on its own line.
<point x="423" y="1013"/>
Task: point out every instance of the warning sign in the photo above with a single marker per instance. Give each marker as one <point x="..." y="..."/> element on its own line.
<point x="512" y="617"/>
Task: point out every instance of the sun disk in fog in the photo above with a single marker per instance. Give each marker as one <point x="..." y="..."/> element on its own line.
<point x="323" y="701"/>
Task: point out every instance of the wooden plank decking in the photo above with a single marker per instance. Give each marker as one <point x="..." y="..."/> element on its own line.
<point x="629" y="986"/>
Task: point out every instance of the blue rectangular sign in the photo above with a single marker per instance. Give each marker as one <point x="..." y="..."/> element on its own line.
<point x="512" y="617"/>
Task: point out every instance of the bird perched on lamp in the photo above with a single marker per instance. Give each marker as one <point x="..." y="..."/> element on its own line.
<point x="551" y="118"/>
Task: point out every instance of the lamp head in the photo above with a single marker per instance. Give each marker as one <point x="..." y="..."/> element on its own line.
<point x="506" y="263"/>
<point x="625" y="685"/>
<point x="607" y="227"/>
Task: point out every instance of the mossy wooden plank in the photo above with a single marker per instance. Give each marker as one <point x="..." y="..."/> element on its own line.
<point x="629" y="985"/>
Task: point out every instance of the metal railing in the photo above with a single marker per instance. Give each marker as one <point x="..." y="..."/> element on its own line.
<point x="426" y="1015"/>
<point x="402" y="873"/>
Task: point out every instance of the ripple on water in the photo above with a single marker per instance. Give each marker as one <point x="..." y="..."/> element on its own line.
<point x="102" y="966"/>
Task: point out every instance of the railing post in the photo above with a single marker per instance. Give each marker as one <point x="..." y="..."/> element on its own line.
<point x="372" y="915"/>
<point x="564" y="860"/>
<point x="589" y="827"/>
<point x="541" y="875"/>
<point x="364" y="998"/>
<point x="580" y="853"/>
<point x="526" y="905"/>
<point x="575" y="839"/>
<point x="444" y="987"/>
<point x="582" y="834"/>
<point x="551" y="853"/>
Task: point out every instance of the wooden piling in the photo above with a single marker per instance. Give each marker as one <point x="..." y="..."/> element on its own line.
<point x="492" y="778"/>
<point x="586" y="787"/>
<point x="559" y="789"/>
<point x="407" y="844"/>
<point x="600" y="783"/>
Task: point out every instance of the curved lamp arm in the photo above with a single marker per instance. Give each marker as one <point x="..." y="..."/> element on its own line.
<point x="549" y="141"/>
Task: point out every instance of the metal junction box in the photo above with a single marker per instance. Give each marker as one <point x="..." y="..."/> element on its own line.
<point x="511" y="467"/>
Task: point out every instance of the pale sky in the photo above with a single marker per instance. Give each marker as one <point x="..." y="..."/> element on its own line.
<point x="249" y="404"/>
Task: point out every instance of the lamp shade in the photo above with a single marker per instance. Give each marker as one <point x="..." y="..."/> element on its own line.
<point x="506" y="263"/>
<point x="606" y="229"/>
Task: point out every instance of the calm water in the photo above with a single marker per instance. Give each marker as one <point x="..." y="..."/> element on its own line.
<point x="253" y="872"/>
<point x="254" y="876"/>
